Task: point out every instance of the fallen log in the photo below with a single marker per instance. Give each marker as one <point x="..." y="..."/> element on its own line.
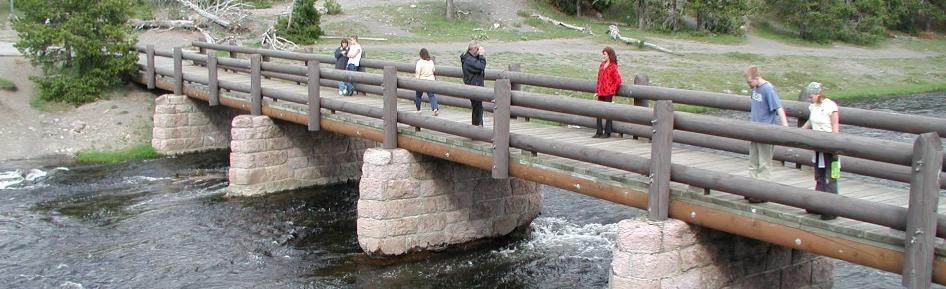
<point x="169" y="24"/>
<point x="204" y="13"/>
<point x="616" y="34"/>
<point x="563" y="24"/>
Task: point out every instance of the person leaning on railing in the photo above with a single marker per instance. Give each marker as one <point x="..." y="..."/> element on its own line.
<point x="609" y="79"/>
<point x="824" y="116"/>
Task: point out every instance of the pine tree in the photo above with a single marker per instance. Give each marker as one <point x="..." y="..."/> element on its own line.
<point x="304" y="27"/>
<point x="82" y="46"/>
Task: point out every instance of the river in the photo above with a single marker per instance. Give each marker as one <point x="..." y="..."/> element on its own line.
<point x="164" y="223"/>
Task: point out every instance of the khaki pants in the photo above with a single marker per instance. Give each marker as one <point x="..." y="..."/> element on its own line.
<point x="760" y="160"/>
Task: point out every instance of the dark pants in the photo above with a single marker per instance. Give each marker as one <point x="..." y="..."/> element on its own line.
<point x="607" y="127"/>
<point x="350" y="87"/>
<point x="477" y="112"/>
<point x="431" y="96"/>
<point x="823" y="180"/>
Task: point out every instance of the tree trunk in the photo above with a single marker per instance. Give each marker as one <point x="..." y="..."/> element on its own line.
<point x="641" y="14"/>
<point x="204" y="13"/>
<point x="451" y="10"/>
<point x="142" y="24"/>
<point x="673" y="15"/>
<point x="578" y="8"/>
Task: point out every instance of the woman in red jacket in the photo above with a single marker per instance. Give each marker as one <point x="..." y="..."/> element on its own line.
<point x="609" y="78"/>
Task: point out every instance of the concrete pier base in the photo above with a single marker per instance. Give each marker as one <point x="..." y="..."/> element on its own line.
<point x="410" y="202"/>
<point x="269" y="156"/>
<point x="673" y="254"/>
<point x="184" y="126"/>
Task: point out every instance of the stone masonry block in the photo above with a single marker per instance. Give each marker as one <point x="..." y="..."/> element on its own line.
<point x="799" y="256"/>
<point x="402" y="226"/>
<point x="778" y="257"/>
<point x="370" y="189"/>
<point x="687" y="280"/>
<point x="618" y="282"/>
<point x="505" y="225"/>
<point x="372" y="228"/>
<point x="797" y="276"/>
<point x="646" y="265"/>
<point x="677" y="234"/>
<point x="377" y="157"/>
<point x="426" y="241"/>
<point x="822" y="271"/>
<point x="242" y="121"/>
<point x="637" y="235"/>
<point x="393" y="245"/>
<point x="746" y="247"/>
<point x="713" y="276"/>
<point x="431" y="223"/>
<point x="695" y="256"/>
<point x="402" y="156"/>
<point x="164" y="109"/>
<point x="262" y="120"/>
<point x="400" y="189"/>
<point x="766" y="280"/>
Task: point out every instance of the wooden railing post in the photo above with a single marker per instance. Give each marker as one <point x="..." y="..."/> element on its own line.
<point x="516" y="67"/>
<point x="802" y="96"/>
<point x="315" y="97"/>
<point x="256" y="82"/>
<point x="178" y="72"/>
<point x="658" y="200"/>
<point x="389" y="89"/>
<point x="502" y="94"/>
<point x="640" y="79"/>
<point x="150" y="73"/>
<point x="213" y="85"/>
<point x="921" y="214"/>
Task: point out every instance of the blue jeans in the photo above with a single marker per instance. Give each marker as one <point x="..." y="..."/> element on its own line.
<point x="431" y="96"/>
<point x="348" y="85"/>
<point x="342" y="87"/>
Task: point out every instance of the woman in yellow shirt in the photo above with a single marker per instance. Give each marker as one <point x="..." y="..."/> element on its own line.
<point x="425" y="70"/>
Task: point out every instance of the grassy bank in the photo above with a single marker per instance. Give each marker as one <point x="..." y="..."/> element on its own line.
<point x="137" y="152"/>
<point x="7" y="85"/>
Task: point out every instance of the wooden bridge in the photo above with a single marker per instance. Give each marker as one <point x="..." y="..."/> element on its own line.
<point x="704" y="184"/>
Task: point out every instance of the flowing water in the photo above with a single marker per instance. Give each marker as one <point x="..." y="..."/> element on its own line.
<point x="165" y="224"/>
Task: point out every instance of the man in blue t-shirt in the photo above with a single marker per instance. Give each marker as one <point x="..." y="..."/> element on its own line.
<point x="766" y="108"/>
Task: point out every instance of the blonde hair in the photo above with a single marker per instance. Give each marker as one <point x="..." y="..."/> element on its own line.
<point x="473" y="45"/>
<point x="752" y="72"/>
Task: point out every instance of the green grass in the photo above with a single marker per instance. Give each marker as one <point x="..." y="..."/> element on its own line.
<point x="428" y="24"/>
<point x="343" y="28"/>
<point x="765" y="30"/>
<point x="889" y="90"/>
<point x="137" y="152"/>
<point x="142" y="10"/>
<point x="925" y="44"/>
<point x="7" y="85"/>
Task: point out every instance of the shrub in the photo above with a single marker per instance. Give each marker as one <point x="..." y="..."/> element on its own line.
<point x="719" y="16"/>
<point x="332" y="7"/>
<point x="304" y="28"/>
<point x="83" y="49"/>
<point x="568" y="6"/>
<point x="860" y="22"/>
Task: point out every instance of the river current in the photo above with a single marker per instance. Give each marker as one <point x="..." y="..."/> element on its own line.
<point x="164" y="223"/>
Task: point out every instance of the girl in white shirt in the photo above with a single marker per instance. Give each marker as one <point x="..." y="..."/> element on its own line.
<point x="823" y="116"/>
<point x="425" y="70"/>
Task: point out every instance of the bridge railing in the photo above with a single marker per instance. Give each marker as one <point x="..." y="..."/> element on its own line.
<point x="923" y="159"/>
<point x="853" y="164"/>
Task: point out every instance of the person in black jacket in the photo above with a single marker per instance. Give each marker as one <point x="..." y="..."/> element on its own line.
<point x="341" y="62"/>
<point x="474" y="73"/>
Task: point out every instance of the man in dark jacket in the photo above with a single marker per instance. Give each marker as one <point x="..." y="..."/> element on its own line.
<point x="341" y="63"/>
<point x="474" y="73"/>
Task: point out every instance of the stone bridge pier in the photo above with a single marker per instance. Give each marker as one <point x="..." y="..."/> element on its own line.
<point x="674" y="254"/>
<point x="408" y="202"/>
